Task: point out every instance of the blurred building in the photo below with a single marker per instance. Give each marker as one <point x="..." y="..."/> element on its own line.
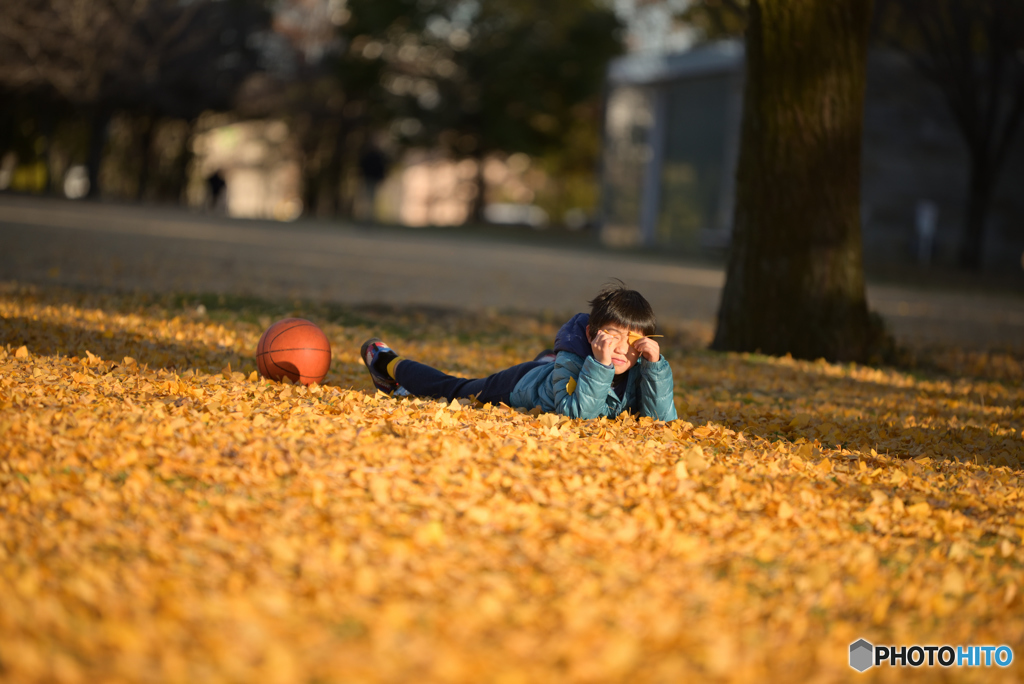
<point x="259" y="162"/>
<point x="672" y="141"/>
<point x="427" y="188"/>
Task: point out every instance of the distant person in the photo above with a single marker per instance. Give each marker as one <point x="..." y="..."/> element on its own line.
<point x="605" y="362"/>
<point x="373" y="168"/>
<point x="215" y="186"/>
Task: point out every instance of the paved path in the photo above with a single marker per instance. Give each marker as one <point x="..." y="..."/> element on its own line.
<point x="163" y="249"/>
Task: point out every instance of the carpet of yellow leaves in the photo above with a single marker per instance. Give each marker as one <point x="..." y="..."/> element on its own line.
<point x="165" y="516"/>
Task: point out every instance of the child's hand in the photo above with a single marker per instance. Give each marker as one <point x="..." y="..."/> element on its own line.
<point x="603" y="346"/>
<point x="648" y="348"/>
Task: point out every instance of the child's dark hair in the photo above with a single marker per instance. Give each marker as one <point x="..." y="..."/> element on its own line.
<point x="617" y="305"/>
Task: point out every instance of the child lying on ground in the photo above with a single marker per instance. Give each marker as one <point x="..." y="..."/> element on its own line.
<point x="605" y="363"/>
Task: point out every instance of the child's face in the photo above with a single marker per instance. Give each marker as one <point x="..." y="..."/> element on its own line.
<point x="615" y="344"/>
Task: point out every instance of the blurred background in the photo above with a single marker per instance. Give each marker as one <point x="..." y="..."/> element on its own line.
<point x="613" y="120"/>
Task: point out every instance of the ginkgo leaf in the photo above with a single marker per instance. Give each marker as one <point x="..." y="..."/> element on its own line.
<point x="166" y="514"/>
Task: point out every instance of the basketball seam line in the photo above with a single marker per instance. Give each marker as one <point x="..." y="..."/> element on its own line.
<point x="300" y="322"/>
<point x="286" y="372"/>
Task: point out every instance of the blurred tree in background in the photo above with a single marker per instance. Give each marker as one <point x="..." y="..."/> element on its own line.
<point x="87" y="59"/>
<point x="334" y="101"/>
<point x="476" y="79"/>
<point x="525" y="77"/>
<point x="716" y="19"/>
<point x="973" y="50"/>
<point x="466" y="78"/>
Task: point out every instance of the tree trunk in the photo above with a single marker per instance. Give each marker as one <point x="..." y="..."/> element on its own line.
<point x="182" y="165"/>
<point x="97" y="141"/>
<point x="979" y="200"/>
<point x="145" y="156"/>
<point x="334" y="169"/>
<point x="310" y="188"/>
<point x="795" y="280"/>
<point x="47" y="125"/>
<point x="479" y="202"/>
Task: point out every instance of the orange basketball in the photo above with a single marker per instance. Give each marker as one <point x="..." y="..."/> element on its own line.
<point x="296" y="349"/>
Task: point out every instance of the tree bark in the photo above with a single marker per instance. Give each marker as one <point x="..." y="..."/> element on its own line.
<point x="795" y="279"/>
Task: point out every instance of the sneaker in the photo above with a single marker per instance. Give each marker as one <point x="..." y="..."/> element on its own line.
<point x="547" y="356"/>
<point x="376" y="355"/>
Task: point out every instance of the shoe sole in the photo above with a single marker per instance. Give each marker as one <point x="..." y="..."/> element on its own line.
<point x="387" y="386"/>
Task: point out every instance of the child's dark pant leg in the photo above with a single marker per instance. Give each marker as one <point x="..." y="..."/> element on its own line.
<point x="424" y="381"/>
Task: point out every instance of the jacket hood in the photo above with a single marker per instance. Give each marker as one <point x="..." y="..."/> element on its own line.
<point x="572" y="337"/>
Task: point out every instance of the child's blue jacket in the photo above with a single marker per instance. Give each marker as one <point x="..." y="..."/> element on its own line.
<point x="579" y="386"/>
